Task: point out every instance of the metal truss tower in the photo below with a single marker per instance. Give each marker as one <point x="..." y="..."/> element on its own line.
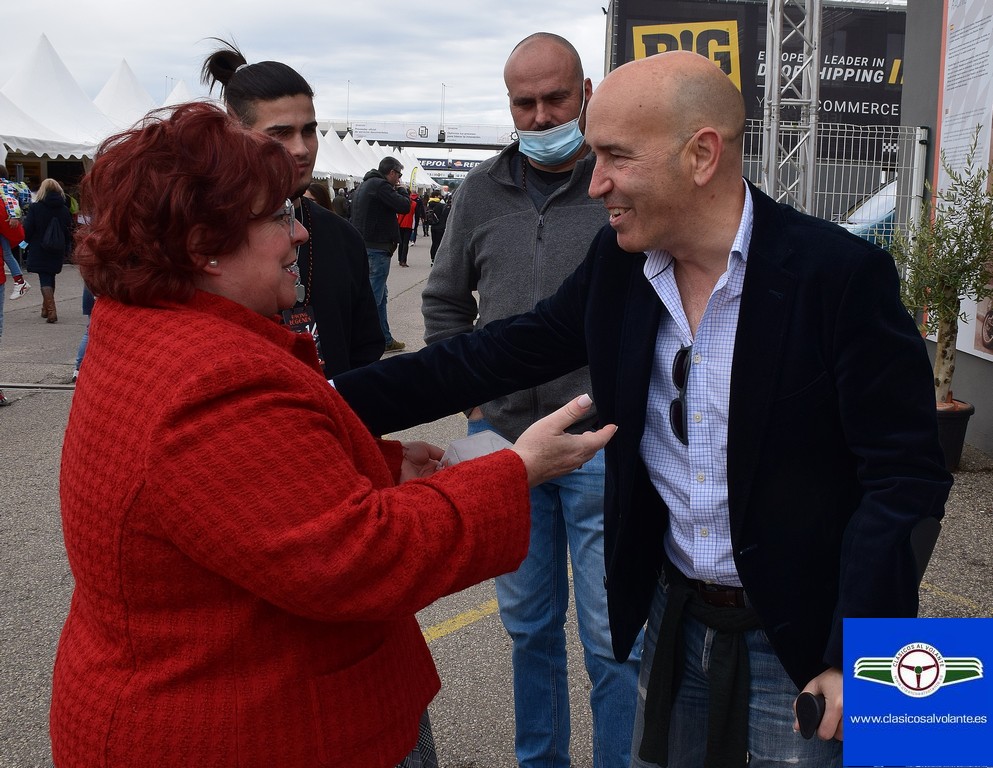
<point x="792" y="78"/>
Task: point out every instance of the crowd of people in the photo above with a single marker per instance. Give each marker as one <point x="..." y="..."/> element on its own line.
<point x="39" y="226"/>
<point x="426" y="213"/>
<point x="249" y="552"/>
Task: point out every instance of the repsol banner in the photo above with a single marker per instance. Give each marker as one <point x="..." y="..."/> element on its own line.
<point x="861" y="68"/>
<point x="439" y="164"/>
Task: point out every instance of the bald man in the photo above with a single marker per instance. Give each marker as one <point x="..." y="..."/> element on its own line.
<point x="519" y="226"/>
<point x="777" y="440"/>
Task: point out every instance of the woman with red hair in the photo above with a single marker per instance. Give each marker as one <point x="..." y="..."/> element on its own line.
<point x="248" y="559"/>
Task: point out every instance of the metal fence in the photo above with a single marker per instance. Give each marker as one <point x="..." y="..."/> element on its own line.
<point x="869" y="179"/>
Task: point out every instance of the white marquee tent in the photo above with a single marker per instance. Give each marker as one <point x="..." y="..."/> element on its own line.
<point x="180" y="94"/>
<point x="31" y="112"/>
<point x="44" y="112"/>
<point x="19" y="132"/>
<point x="414" y="169"/>
<point x="371" y="154"/>
<point x="123" y="99"/>
<point x="43" y="87"/>
<point x="355" y="151"/>
<point x="335" y="161"/>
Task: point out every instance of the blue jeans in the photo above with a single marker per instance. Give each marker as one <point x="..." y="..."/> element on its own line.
<point x="82" y="344"/>
<point x="8" y="257"/>
<point x="566" y="518"/>
<point x="771" y="740"/>
<point x="379" y="270"/>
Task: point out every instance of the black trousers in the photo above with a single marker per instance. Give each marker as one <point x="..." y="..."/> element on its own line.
<point x="436" y="235"/>
<point x="403" y="246"/>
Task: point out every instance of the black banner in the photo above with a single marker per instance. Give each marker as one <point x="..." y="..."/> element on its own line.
<point x="861" y="75"/>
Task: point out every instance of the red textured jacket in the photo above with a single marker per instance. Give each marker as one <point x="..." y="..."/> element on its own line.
<point x="247" y="572"/>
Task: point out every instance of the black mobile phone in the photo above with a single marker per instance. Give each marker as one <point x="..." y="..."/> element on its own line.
<point x="809" y="711"/>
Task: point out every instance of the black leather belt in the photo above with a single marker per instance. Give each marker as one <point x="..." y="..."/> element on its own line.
<point x="719" y="595"/>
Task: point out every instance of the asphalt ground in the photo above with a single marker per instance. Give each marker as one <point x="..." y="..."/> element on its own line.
<point x="473" y="715"/>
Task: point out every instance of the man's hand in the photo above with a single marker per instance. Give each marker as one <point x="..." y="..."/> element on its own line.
<point x="420" y="460"/>
<point x="829" y="685"/>
<point x="548" y="451"/>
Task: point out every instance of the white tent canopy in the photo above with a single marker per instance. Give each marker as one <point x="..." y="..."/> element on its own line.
<point x="422" y="179"/>
<point x="326" y="165"/>
<point x="344" y="166"/>
<point x="123" y="99"/>
<point x="43" y="87"/>
<point x="367" y="156"/>
<point x="373" y="154"/>
<point x="44" y="111"/>
<point x="409" y="162"/>
<point x="361" y="159"/>
<point x="19" y="132"/>
<point x="181" y="93"/>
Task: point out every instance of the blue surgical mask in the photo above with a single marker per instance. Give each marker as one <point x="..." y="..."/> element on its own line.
<point x="555" y="145"/>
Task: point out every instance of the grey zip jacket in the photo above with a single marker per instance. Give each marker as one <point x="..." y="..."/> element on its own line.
<point x="498" y="244"/>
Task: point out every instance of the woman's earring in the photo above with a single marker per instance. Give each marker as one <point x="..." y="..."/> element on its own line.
<point x="212" y="263"/>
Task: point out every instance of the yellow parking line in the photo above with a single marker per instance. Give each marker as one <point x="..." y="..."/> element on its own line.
<point x="456" y="623"/>
<point x="951" y="597"/>
<point x="488" y="608"/>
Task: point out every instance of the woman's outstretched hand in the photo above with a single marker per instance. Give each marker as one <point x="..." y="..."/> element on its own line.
<point x="548" y="451"/>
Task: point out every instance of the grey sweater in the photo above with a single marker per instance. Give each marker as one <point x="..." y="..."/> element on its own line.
<point x="498" y="244"/>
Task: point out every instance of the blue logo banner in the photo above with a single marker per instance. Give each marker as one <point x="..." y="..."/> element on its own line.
<point x="917" y="692"/>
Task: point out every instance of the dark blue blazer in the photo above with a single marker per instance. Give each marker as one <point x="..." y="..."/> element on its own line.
<point x="833" y="453"/>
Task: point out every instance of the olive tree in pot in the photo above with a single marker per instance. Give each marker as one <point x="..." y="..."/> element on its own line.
<point x="945" y="258"/>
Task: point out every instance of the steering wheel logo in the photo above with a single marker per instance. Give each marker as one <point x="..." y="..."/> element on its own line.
<point x="918" y="669"/>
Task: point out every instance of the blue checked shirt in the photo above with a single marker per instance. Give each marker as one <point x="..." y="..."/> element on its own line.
<point x="692" y="479"/>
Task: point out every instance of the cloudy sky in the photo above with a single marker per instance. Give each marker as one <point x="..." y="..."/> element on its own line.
<point x="366" y="59"/>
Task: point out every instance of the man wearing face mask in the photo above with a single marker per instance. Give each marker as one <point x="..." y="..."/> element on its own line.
<point x="520" y="223"/>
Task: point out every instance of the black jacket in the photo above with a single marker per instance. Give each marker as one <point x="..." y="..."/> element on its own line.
<point x="344" y="307"/>
<point x="832" y="454"/>
<point x="441" y="210"/>
<point x="36" y="220"/>
<point x="375" y="205"/>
